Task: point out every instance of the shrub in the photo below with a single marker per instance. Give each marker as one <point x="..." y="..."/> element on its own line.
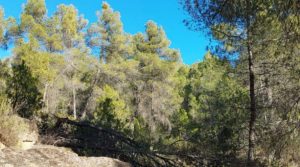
<point x="23" y="92"/>
<point x="5" y="108"/>
<point x="13" y="129"/>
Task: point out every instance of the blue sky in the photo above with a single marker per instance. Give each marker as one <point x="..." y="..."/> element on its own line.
<point x="134" y="15"/>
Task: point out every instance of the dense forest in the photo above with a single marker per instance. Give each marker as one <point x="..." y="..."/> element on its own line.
<point x="103" y="92"/>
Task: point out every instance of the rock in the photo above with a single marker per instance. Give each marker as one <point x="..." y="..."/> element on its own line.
<point x="28" y="138"/>
<point x="51" y="156"/>
<point x="104" y="162"/>
<point x="2" y="146"/>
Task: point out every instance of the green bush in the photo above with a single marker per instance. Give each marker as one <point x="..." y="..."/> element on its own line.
<point x="23" y="92"/>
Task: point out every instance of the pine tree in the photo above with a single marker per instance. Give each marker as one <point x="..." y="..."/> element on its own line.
<point x="237" y="24"/>
<point x="155" y="42"/>
<point x="67" y="16"/>
<point x="36" y="9"/>
<point x="108" y="36"/>
<point x="32" y="19"/>
<point x="214" y="102"/>
<point x="154" y="99"/>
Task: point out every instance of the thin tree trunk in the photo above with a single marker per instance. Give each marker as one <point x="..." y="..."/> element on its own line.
<point x="90" y="94"/>
<point x="252" y="108"/>
<point x="74" y="103"/>
<point x="251" y="137"/>
<point x="136" y="102"/>
<point x="45" y="97"/>
<point x="45" y="92"/>
<point x="47" y="105"/>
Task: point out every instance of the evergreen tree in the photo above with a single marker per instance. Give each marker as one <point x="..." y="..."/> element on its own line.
<point x="68" y="24"/>
<point x="154" y="100"/>
<point x="237" y="24"/>
<point x="32" y="20"/>
<point x="215" y="108"/>
<point x="36" y="9"/>
<point x="54" y="41"/>
<point x="155" y="42"/>
<point x="108" y="36"/>
<point x="111" y="110"/>
<point x="23" y="92"/>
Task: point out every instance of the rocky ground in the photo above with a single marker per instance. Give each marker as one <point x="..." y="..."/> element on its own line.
<point x="51" y="156"/>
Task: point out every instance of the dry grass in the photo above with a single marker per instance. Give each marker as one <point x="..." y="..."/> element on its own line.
<point x="13" y="129"/>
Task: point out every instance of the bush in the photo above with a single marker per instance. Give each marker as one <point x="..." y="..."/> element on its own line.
<point x="23" y="92"/>
<point x="14" y="129"/>
<point x="5" y="108"/>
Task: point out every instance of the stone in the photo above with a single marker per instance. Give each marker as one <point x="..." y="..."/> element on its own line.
<point x="51" y="156"/>
<point x="2" y="146"/>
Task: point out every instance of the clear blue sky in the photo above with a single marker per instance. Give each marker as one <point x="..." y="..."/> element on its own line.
<point x="134" y="15"/>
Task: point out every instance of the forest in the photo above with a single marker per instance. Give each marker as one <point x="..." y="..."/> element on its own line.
<point x="101" y="91"/>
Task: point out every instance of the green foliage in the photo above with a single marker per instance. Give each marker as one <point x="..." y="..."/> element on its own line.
<point x="32" y="19"/>
<point x="214" y="107"/>
<point x="67" y="16"/>
<point x="22" y="91"/>
<point x="4" y="73"/>
<point x="38" y="62"/>
<point x="54" y="40"/>
<point x="107" y="35"/>
<point x="257" y="32"/>
<point x="36" y="9"/>
<point x="8" y="28"/>
<point x="111" y="110"/>
<point x="155" y="42"/>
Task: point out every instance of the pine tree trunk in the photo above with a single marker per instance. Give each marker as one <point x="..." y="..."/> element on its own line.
<point x="252" y="108"/>
<point x="90" y="95"/>
<point x="251" y="137"/>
